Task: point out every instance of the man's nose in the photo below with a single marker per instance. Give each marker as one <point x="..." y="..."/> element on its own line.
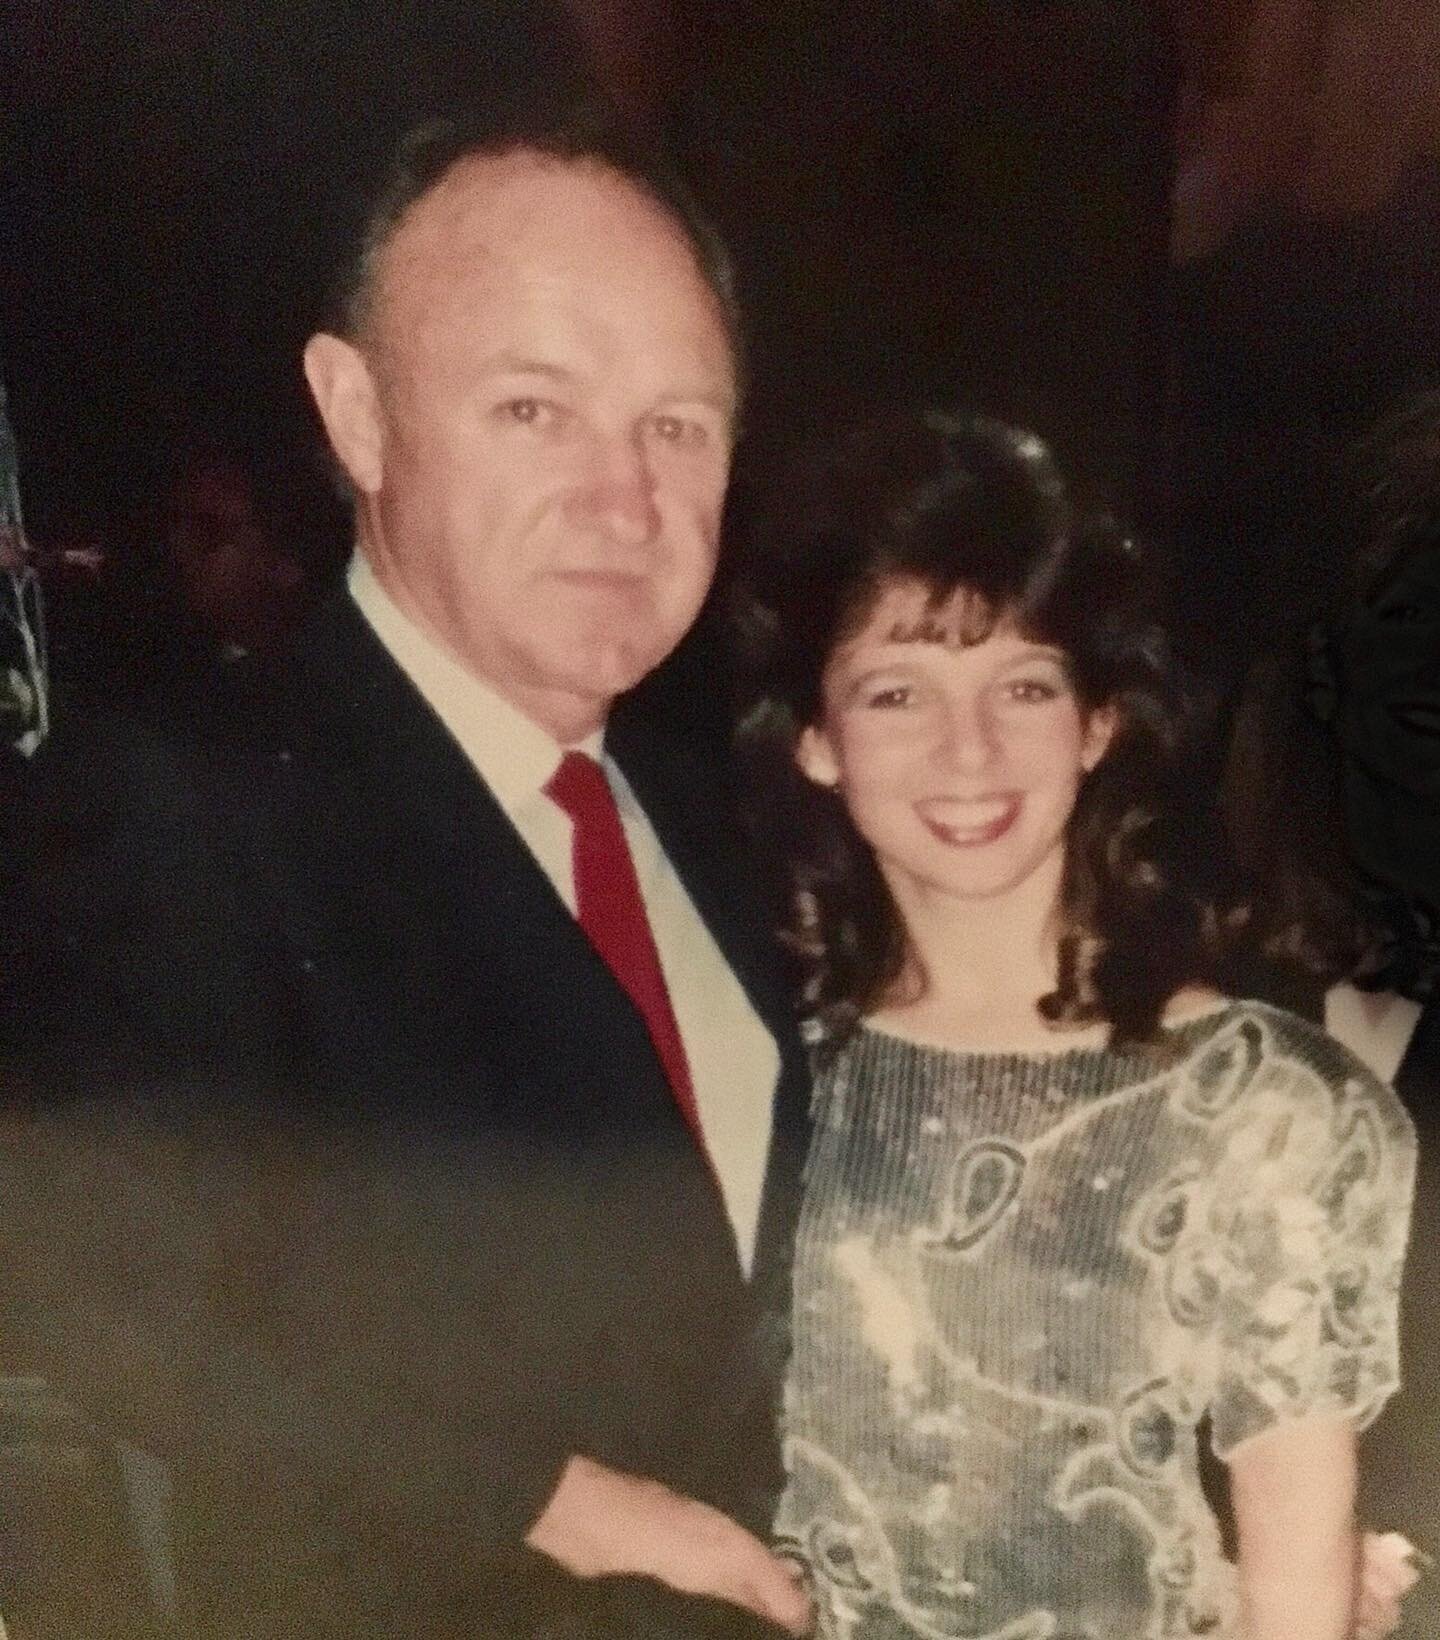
<point x="621" y="492"/>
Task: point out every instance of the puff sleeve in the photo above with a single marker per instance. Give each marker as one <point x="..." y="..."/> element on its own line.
<point x="1311" y="1214"/>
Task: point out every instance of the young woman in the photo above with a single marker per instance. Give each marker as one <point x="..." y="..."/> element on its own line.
<point x="1065" y="1202"/>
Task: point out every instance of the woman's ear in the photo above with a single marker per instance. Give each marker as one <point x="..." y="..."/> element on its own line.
<point x="1100" y="727"/>
<point x="815" y="758"/>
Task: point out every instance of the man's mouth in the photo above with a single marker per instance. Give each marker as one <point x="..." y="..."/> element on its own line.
<point x="598" y="575"/>
<point x="968" y="822"/>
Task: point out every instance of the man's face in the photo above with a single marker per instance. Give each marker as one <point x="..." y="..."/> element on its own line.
<point x="553" y="395"/>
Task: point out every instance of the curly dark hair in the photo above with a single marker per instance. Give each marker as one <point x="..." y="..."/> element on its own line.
<point x="960" y="503"/>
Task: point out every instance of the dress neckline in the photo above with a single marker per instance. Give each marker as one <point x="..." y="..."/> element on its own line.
<point x="1176" y="1033"/>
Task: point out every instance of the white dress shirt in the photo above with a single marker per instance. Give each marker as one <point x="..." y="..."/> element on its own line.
<point x="1376" y="1026"/>
<point x="734" y="1062"/>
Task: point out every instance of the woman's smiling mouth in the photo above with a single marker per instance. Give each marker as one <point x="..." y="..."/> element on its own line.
<point x="968" y="822"/>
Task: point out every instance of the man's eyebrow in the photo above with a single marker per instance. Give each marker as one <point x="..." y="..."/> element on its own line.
<point x="724" y="404"/>
<point x="509" y="363"/>
<point x="506" y="363"/>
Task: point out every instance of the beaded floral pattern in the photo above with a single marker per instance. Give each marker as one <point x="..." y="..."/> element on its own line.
<point x="1021" y="1283"/>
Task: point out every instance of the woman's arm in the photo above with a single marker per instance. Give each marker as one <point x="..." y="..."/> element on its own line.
<point x="1293" y="1488"/>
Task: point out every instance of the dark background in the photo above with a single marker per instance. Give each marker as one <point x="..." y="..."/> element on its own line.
<point x="1196" y="244"/>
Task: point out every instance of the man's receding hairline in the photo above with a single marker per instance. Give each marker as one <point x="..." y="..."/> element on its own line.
<point x="360" y="325"/>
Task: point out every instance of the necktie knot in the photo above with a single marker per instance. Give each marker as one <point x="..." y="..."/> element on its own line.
<point x="580" y="788"/>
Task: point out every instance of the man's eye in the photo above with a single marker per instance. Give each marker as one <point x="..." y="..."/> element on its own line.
<point x="681" y="431"/>
<point x="528" y="412"/>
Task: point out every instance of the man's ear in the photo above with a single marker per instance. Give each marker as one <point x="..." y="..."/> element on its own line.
<point x="343" y="388"/>
<point x="815" y="757"/>
<point x="1100" y="727"/>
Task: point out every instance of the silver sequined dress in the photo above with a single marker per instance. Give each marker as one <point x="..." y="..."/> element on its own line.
<point x="1021" y="1282"/>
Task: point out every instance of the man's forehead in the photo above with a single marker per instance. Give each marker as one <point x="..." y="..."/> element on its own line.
<point x="490" y="215"/>
<point x="473" y="193"/>
<point x="457" y="226"/>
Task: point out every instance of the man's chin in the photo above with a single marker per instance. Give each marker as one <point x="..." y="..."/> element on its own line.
<point x="594" y="679"/>
<point x="608" y="682"/>
<point x="607" y="666"/>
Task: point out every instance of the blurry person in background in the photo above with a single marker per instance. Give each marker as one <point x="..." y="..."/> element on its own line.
<point x="1333" y="793"/>
<point x="214" y="557"/>
<point x="238" y="584"/>
<point x="24" y="664"/>
<point x="221" y="566"/>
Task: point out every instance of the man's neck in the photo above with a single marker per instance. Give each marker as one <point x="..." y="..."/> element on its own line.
<point x="568" y="719"/>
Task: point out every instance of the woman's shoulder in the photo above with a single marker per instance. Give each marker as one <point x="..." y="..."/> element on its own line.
<point x="1251" y="1054"/>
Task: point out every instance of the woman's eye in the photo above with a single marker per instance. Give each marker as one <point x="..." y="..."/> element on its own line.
<point x="1032" y="691"/>
<point x="891" y="696"/>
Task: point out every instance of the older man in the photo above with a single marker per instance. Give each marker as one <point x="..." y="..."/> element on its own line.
<point x="465" y="962"/>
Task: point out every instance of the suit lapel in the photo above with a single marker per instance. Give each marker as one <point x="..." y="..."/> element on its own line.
<point x="449" y="882"/>
<point x="455" y="886"/>
<point x="686" y="803"/>
<point x="385" y="750"/>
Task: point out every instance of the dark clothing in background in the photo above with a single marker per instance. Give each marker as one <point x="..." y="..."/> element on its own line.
<point x="347" y="1180"/>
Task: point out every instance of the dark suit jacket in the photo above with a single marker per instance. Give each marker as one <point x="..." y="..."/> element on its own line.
<point x="372" y="1190"/>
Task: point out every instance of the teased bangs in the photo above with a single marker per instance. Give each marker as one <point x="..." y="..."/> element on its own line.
<point x="954" y="613"/>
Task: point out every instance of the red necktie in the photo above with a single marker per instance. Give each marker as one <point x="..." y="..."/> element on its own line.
<point x="612" y="913"/>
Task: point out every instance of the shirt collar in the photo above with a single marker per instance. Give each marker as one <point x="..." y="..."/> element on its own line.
<point x="512" y="754"/>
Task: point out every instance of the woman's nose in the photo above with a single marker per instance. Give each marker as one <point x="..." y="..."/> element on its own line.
<point x="968" y="741"/>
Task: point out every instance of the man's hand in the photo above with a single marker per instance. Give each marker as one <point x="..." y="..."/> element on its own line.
<point x="1390" y="1567"/>
<point x="600" y="1521"/>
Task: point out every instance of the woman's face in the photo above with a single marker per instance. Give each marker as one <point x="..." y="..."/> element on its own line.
<point x="959" y="765"/>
